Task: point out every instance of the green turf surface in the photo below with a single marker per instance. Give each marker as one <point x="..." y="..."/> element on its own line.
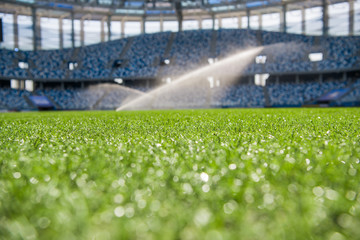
<point x="201" y="174"/>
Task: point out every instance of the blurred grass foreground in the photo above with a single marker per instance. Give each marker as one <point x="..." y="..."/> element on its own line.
<point x="190" y="174"/>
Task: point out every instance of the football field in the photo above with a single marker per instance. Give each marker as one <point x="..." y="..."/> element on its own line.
<point x="181" y="174"/>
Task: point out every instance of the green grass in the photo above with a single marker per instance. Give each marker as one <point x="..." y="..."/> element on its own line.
<point x="191" y="174"/>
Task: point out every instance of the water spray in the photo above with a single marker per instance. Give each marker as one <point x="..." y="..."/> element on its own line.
<point x="187" y="91"/>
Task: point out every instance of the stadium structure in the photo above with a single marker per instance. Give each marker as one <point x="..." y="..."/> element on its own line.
<point x="98" y="54"/>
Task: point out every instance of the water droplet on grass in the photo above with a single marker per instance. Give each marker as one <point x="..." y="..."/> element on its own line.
<point x="232" y="166"/>
<point x="205" y="188"/>
<point x="350" y="195"/>
<point x="187" y="188"/>
<point x="318" y="191"/>
<point x="43" y="222"/>
<point x="345" y="220"/>
<point x="129" y="212"/>
<point x="336" y="236"/>
<point x="331" y="194"/>
<point x="229" y="207"/>
<point x="33" y="180"/>
<point x="118" y="198"/>
<point x="141" y="203"/>
<point x="202" y="217"/>
<point x="268" y="199"/>
<point x="204" y="177"/>
<point x="17" y="175"/>
<point x="119" y="211"/>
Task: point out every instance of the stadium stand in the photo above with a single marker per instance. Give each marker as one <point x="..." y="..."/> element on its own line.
<point x="13" y="99"/>
<point x="144" y="56"/>
<point x="191" y="49"/>
<point x="295" y="95"/>
<point x="141" y="57"/>
<point x="353" y="97"/>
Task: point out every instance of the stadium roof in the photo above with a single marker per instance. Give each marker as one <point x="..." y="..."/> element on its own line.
<point x="162" y="7"/>
<point x="135" y="10"/>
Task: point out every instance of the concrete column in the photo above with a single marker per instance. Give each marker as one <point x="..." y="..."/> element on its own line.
<point x="22" y="84"/>
<point x="102" y="29"/>
<point x="283" y="19"/>
<point x="72" y="30"/>
<point x="239" y="22"/>
<point x="200" y="23"/>
<point x="325" y="17"/>
<point x="260" y="21"/>
<point x="303" y="21"/>
<point x="143" y="25"/>
<point x="109" y="27"/>
<point x="351" y="17"/>
<point x="16" y="31"/>
<point x="122" y="28"/>
<point x="161" y="24"/>
<point x="248" y="18"/>
<point x="180" y="24"/>
<point x="220" y="22"/>
<point x="82" y="35"/>
<point x="213" y="22"/>
<point x="36" y="30"/>
<point x="61" y="37"/>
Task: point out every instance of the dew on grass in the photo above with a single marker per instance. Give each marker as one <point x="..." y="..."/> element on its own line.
<point x="229" y="207"/>
<point x="318" y="191"/>
<point x="17" y="175"/>
<point x="119" y="211"/>
<point x="141" y="203"/>
<point x="205" y="188"/>
<point x="268" y="199"/>
<point x="292" y="188"/>
<point x="43" y="222"/>
<point x="118" y="198"/>
<point x="155" y="205"/>
<point x="187" y="188"/>
<point x="54" y="192"/>
<point x="33" y="180"/>
<point x="331" y="194"/>
<point x="249" y="197"/>
<point x="73" y="175"/>
<point x="232" y="166"/>
<point x="175" y="178"/>
<point x="255" y="177"/>
<point x="204" y="177"/>
<point x="202" y="217"/>
<point x="345" y="220"/>
<point x="129" y="211"/>
<point x="238" y="182"/>
<point x="159" y="173"/>
<point x="337" y="236"/>
<point x="47" y="178"/>
<point x="350" y="195"/>
<point x="352" y="172"/>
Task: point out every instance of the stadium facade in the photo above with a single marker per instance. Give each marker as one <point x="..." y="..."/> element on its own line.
<point x="58" y="49"/>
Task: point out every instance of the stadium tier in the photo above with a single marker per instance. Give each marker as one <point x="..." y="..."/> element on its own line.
<point x="168" y="55"/>
<point x="189" y="49"/>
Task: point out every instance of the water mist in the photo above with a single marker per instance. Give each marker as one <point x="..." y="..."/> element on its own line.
<point x="192" y="90"/>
